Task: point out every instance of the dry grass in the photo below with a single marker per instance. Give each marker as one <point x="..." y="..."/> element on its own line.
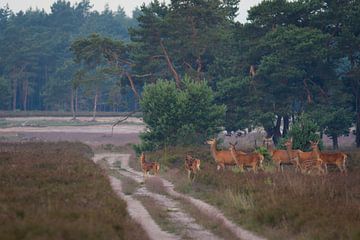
<point x="55" y="191"/>
<point x="279" y="206"/>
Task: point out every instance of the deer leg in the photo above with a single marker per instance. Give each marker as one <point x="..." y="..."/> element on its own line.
<point x="255" y="168"/>
<point x="326" y="168"/>
<point x="344" y="167"/>
<point x="189" y="174"/>
<point x="194" y="177"/>
<point x="223" y="166"/>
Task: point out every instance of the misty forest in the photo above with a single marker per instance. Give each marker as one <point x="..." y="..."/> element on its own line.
<point x="288" y="59"/>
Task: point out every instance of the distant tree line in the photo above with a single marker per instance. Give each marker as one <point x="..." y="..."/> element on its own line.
<point x="37" y="71"/>
<point x="290" y="58"/>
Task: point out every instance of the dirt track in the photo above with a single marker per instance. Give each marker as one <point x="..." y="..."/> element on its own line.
<point x="123" y="134"/>
<point x="182" y="220"/>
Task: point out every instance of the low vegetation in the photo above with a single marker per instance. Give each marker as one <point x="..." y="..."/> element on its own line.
<point x="277" y="205"/>
<point x="55" y="191"/>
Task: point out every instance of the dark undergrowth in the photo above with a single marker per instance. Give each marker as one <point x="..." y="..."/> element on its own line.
<point x="276" y="205"/>
<point x="55" y="191"/>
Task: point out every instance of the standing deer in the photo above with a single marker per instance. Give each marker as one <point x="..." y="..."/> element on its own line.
<point x="192" y="165"/>
<point x="246" y="159"/>
<point x="222" y="158"/>
<point x="336" y="158"/>
<point x="280" y="157"/>
<point x="147" y="166"/>
<point x="309" y="160"/>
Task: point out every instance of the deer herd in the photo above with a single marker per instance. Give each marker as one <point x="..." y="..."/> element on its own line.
<point x="304" y="162"/>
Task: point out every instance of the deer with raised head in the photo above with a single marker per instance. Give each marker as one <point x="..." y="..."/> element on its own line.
<point x="192" y="165"/>
<point x="222" y="158"/>
<point x="279" y="156"/>
<point x="336" y="158"/>
<point x="310" y="160"/>
<point x="148" y="166"/>
<point x="253" y="160"/>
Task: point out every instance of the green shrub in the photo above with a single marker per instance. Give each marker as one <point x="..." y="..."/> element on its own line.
<point x="303" y="131"/>
<point x="179" y="116"/>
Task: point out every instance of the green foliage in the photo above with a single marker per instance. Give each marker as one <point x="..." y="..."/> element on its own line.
<point x="179" y="116"/>
<point x="303" y="131"/>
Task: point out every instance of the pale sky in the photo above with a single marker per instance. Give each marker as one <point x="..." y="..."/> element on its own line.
<point x="128" y="5"/>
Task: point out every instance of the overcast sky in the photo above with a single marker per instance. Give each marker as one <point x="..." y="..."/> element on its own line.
<point x="128" y="5"/>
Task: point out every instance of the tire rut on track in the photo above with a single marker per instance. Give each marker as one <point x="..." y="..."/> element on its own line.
<point x="183" y="221"/>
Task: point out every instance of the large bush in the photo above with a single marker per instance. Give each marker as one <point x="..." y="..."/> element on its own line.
<point x="303" y="131"/>
<point x="179" y="116"/>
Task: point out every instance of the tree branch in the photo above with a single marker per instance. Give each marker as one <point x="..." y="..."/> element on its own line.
<point x="309" y="99"/>
<point x="132" y="85"/>
<point x="120" y="121"/>
<point x="170" y="65"/>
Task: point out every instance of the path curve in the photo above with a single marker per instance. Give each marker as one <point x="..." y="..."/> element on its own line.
<point x="205" y="208"/>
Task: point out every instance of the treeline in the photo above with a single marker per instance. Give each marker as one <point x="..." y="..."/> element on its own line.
<point x="37" y="70"/>
<point x="290" y="58"/>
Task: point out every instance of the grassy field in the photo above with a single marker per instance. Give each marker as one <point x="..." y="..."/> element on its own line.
<point x="277" y="205"/>
<point x="55" y="191"/>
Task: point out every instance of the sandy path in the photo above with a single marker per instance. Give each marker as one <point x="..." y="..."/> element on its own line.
<point x="137" y="211"/>
<point x="209" y="210"/>
<point x="185" y="224"/>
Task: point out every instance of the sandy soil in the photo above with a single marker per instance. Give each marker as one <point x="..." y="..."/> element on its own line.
<point x="92" y="135"/>
<point x="123" y="134"/>
<point x="182" y="220"/>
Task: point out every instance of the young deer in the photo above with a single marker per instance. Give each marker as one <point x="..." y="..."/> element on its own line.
<point x="148" y="166"/>
<point x="242" y="159"/>
<point x="222" y="158"/>
<point x="310" y="160"/>
<point x="280" y="157"/>
<point x="192" y="165"/>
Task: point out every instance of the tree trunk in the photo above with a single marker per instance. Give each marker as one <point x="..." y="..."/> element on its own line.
<point x="95" y="104"/>
<point x="14" y="93"/>
<point x="25" y="94"/>
<point x="277" y="132"/>
<point x="335" y="142"/>
<point x="76" y="101"/>
<point x="72" y="104"/>
<point x="170" y="65"/>
<point x="132" y="85"/>
<point x="286" y="126"/>
<point x="357" y="129"/>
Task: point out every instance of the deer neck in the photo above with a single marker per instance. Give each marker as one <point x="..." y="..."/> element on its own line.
<point x="316" y="152"/>
<point x="213" y="150"/>
<point x="270" y="149"/>
<point x="142" y="159"/>
<point x="233" y="153"/>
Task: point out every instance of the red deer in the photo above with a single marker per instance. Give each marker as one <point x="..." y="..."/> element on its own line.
<point x="242" y="159"/>
<point x="222" y="158"/>
<point x="148" y="166"/>
<point x="336" y="158"/>
<point x="281" y="157"/>
<point x="309" y="160"/>
<point x="192" y="165"/>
